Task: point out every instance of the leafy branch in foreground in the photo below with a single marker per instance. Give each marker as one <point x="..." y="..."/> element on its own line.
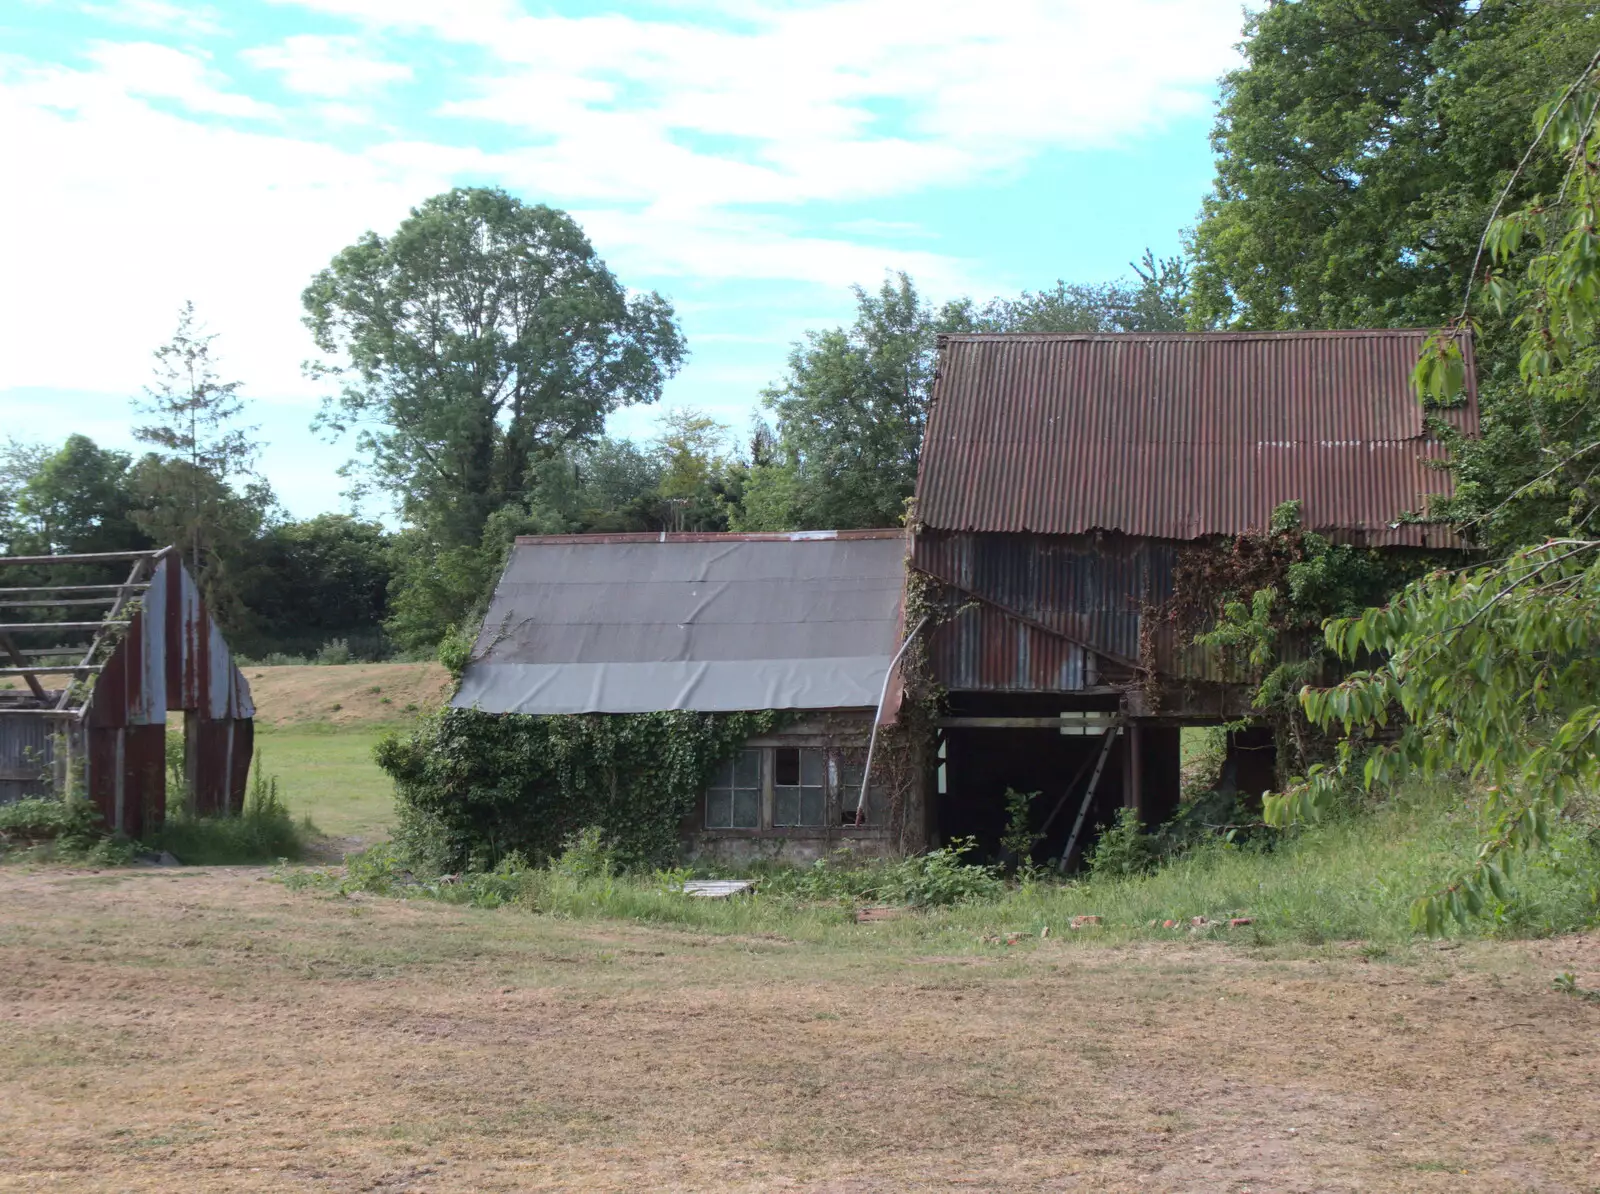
<point x="1492" y="671"/>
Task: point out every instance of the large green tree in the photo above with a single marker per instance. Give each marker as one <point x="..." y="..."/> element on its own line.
<point x="1360" y="148"/>
<point x="78" y="499"/>
<point x="850" y="417"/>
<point x="1494" y="667"/>
<point x="474" y="343"/>
<point x="318" y="579"/>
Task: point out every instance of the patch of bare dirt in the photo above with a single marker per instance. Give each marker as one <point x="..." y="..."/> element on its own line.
<point x="210" y="1030"/>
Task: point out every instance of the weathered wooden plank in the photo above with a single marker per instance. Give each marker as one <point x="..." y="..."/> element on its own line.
<point x="15" y="627"/>
<point x="93" y="557"/>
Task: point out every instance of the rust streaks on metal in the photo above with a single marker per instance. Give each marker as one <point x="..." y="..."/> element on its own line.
<point x="1185" y="435"/>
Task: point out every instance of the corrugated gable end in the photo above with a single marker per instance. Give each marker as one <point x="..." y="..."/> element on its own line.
<point x="172" y="656"/>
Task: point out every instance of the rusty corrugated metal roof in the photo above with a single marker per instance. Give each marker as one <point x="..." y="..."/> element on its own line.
<point x="1183" y="435"/>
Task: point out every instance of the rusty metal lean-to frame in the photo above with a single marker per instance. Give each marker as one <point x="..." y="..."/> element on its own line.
<point x="114" y="596"/>
<point x="140" y="663"/>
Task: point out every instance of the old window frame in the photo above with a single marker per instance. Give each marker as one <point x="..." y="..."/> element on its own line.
<point x="805" y="794"/>
<point x="731" y="771"/>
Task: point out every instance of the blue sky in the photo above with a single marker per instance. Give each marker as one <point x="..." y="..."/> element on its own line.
<point x="751" y="159"/>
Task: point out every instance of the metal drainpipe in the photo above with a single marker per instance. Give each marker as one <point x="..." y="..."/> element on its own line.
<point x="872" y="741"/>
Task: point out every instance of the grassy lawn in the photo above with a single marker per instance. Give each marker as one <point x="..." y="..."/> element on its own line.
<point x="214" y="1030"/>
<point x="327" y="773"/>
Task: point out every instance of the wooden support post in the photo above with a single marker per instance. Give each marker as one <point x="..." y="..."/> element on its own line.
<point x="17" y="658"/>
<point x="1133" y="792"/>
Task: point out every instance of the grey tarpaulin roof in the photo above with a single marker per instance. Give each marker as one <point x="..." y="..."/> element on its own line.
<point x="637" y="623"/>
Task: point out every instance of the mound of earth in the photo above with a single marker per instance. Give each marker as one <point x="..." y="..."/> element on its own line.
<point x="347" y="694"/>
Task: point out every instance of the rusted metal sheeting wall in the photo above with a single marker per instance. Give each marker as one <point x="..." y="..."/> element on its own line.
<point x="982" y="650"/>
<point x="223" y="762"/>
<point x="172" y="657"/>
<point x="1091" y="591"/>
<point x="1182" y="436"/>
<point x="1086" y="588"/>
<point x="128" y="776"/>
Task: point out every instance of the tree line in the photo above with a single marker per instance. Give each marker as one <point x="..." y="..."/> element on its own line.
<point x="471" y="356"/>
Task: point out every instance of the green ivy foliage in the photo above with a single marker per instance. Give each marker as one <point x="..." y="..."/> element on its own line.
<point x="473" y="787"/>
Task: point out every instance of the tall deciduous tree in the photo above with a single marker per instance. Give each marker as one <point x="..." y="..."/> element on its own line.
<point x="78" y="499"/>
<point x="473" y="344"/>
<point x="850" y="418"/>
<point x="696" y="466"/>
<point x="1494" y="667"/>
<point x="1360" y="147"/>
<point x="19" y="461"/>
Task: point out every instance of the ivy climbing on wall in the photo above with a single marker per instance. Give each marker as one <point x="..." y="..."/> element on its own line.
<point x="1258" y="602"/>
<point x="473" y="787"/>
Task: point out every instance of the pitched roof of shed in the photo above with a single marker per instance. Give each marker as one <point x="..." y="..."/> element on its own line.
<point x="1183" y="435"/>
<point x="639" y="623"/>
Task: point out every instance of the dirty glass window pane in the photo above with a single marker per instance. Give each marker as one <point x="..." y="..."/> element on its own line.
<point x="811" y="768"/>
<point x="786" y="806"/>
<point x="746" y="809"/>
<point x="850" y="765"/>
<point x="719" y="808"/>
<point x="799" y="788"/>
<point x="747" y="768"/>
<point x="811" y="806"/>
<point x="733" y="798"/>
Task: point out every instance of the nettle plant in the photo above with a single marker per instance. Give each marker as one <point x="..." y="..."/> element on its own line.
<point x="1494" y="671"/>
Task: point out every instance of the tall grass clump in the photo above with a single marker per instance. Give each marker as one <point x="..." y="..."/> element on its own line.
<point x="1352" y="877"/>
<point x="263" y="831"/>
<point x="56" y="829"/>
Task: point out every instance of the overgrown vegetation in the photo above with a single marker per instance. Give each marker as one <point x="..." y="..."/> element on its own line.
<point x="47" y="829"/>
<point x="1349" y="878"/>
<point x="1257" y="603"/>
<point x="262" y="831"/>
<point x="472" y="788"/>
<point x="1490" y="672"/>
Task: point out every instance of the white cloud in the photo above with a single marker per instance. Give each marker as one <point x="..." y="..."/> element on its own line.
<point x="139" y="209"/>
<point x="332" y="67"/>
<point x="851" y="98"/>
<point x="158" y="14"/>
<point x="161" y="72"/>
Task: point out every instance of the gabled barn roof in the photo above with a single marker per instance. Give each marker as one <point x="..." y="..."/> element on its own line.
<point x="1184" y="435"/>
<point x="712" y="623"/>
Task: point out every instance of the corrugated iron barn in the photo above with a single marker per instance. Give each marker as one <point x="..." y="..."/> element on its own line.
<point x="1061" y="477"/>
<point x="124" y="654"/>
<point x="637" y="623"/>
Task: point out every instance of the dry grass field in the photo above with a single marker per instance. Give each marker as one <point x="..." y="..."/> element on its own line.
<point x="346" y="696"/>
<point x="212" y="1030"/>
